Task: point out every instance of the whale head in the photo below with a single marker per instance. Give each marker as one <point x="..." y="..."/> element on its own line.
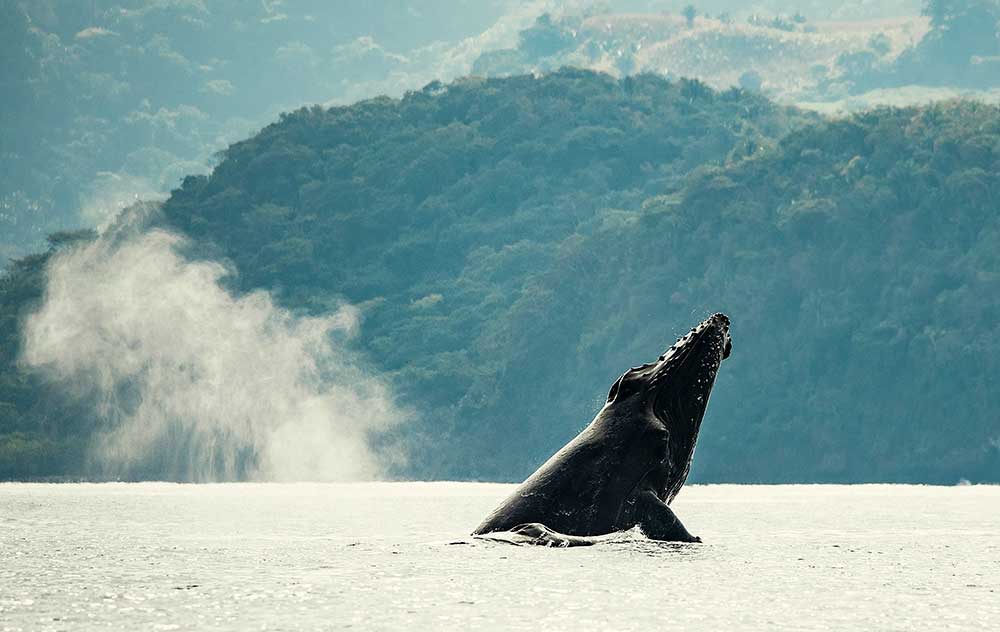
<point x="686" y="370"/>
<point x="674" y="391"/>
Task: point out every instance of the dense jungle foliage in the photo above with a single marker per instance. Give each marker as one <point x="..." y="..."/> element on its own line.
<point x="517" y="243"/>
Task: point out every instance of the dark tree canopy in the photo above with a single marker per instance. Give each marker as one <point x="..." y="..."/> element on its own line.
<point x="690" y="13"/>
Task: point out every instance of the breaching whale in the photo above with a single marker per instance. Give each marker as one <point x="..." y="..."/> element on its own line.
<point x="625" y="468"/>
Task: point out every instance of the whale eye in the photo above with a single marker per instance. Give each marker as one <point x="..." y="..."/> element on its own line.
<point x="628" y="384"/>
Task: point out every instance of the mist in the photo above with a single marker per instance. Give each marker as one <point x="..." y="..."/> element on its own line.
<point x="111" y="193"/>
<point x="194" y="383"/>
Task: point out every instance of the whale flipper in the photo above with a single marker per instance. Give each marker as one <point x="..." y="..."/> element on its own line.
<point x="538" y="534"/>
<point x="657" y="520"/>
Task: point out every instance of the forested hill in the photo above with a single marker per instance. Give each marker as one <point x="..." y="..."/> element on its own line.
<point x="860" y="261"/>
<point x="398" y="196"/>
<point x="516" y="243"/>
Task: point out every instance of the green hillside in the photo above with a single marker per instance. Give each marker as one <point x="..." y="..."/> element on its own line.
<point x="516" y="243"/>
<point x="860" y="260"/>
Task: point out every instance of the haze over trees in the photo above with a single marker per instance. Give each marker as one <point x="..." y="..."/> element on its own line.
<point x="962" y="48"/>
<point x="802" y="55"/>
<point x="514" y="244"/>
<point x="111" y="101"/>
<point x="108" y="100"/>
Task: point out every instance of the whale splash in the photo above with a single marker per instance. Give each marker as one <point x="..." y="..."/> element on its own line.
<point x="192" y="382"/>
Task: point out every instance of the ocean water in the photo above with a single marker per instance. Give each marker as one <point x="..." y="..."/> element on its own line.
<point x="157" y="556"/>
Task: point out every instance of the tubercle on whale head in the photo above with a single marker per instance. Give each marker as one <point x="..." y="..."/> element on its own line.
<point x="686" y="370"/>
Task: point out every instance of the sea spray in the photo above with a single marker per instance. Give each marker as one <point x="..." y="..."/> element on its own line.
<point x="192" y="382"/>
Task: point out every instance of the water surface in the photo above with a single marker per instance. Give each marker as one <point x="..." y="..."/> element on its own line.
<point x="158" y="556"/>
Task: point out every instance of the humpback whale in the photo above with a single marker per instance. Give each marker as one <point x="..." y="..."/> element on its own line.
<point x="624" y="469"/>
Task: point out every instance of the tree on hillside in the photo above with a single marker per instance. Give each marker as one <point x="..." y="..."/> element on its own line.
<point x="962" y="48"/>
<point x="751" y="81"/>
<point x="546" y="37"/>
<point x="941" y="11"/>
<point x="690" y="13"/>
<point x="976" y="19"/>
